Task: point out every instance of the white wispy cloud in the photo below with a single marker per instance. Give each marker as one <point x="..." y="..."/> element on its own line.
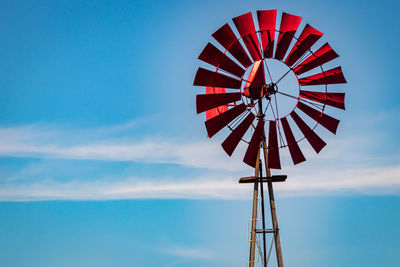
<point x="366" y="180"/>
<point x="98" y="144"/>
<point x="132" y="188"/>
<point x="352" y="171"/>
<point x="383" y="180"/>
<point x="189" y="252"/>
<point x="32" y="141"/>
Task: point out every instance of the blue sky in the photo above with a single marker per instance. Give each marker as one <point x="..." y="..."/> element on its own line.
<point x="103" y="161"/>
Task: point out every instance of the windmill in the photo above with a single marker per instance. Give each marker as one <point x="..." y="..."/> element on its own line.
<point x="246" y="93"/>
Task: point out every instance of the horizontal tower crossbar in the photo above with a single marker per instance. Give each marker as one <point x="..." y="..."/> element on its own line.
<point x="252" y="179"/>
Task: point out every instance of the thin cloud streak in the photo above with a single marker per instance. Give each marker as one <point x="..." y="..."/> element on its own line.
<point x="189" y="253"/>
<point x="128" y="189"/>
<point x="45" y="142"/>
<point x="373" y="180"/>
<point x="349" y="173"/>
<point x="28" y="142"/>
<point x="366" y="181"/>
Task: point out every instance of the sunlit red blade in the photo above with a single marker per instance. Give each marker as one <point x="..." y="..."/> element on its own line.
<point x="245" y="26"/>
<point x="332" y="76"/>
<point x="214" y="79"/>
<point x="294" y="149"/>
<point x="215" y="90"/>
<point x="228" y="40"/>
<point x="315" y="141"/>
<point x="209" y="101"/>
<point x="213" y="56"/>
<point x="274" y="161"/>
<point x="215" y="124"/>
<point x="307" y="38"/>
<point x="232" y="141"/>
<point x="256" y="76"/>
<point x="250" y="158"/>
<point x="328" y="122"/>
<point x="267" y="23"/>
<point x="289" y="25"/>
<point x="332" y="99"/>
<point x="211" y="113"/>
<point x="321" y="56"/>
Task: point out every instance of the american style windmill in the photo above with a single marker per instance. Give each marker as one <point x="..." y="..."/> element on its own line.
<point x="245" y="90"/>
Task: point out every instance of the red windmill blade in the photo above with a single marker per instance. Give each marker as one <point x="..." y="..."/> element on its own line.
<point x="333" y="76"/>
<point x="245" y="26"/>
<point x="318" y="58"/>
<point x="332" y="99"/>
<point x="211" y="112"/>
<point x="227" y="38"/>
<point x="250" y="157"/>
<point x="328" y="122"/>
<point x="213" y="56"/>
<point x="232" y="141"/>
<point x="287" y="30"/>
<point x="267" y="22"/>
<point x="307" y="38"/>
<point x="294" y="149"/>
<point x="211" y="101"/>
<point x="256" y="76"/>
<point x="315" y="141"/>
<point x="273" y="149"/>
<point x="214" y="125"/>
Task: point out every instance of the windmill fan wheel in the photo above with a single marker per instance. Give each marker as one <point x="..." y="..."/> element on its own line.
<point x="241" y="90"/>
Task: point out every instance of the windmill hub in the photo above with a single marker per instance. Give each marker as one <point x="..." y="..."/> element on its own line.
<point x="258" y="92"/>
<point x="270" y="89"/>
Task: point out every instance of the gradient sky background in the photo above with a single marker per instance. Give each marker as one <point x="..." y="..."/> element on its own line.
<point x="103" y="161"/>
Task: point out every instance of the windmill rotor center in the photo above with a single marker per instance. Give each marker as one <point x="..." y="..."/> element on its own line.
<point x="270" y="83"/>
<point x="258" y="92"/>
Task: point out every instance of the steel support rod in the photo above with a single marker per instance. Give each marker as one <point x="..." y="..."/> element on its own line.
<point x="277" y="240"/>
<point x="263" y="214"/>
<point x="254" y="217"/>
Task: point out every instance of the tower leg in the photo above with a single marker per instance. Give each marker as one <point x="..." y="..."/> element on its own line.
<point x="263" y="215"/>
<point x="254" y="218"/>
<point x="277" y="239"/>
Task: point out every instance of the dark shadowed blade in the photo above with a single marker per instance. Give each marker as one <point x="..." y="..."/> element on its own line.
<point x="294" y="149"/>
<point x="214" y="79"/>
<point x="307" y="38"/>
<point x="213" y="56"/>
<point x="321" y="56"/>
<point x="209" y="101"/>
<point x="332" y="76"/>
<point x="215" y="124"/>
<point x="250" y="158"/>
<point x="332" y="99"/>
<point x="315" y="141"/>
<point x="267" y="23"/>
<point x="228" y="40"/>
<point x="274" y="161"/>
<point x="232" y="141"/>
<point x="245" y="26"/>
<point x="326" y="121"/>
<point x="288" y="27"/>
